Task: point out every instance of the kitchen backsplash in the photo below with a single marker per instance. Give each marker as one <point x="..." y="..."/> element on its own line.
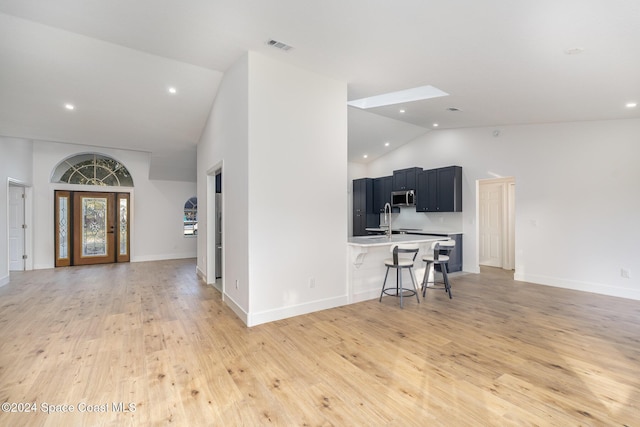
<point x="409" y="218"/>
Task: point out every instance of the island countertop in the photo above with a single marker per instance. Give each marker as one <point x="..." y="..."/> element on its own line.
<point x="382" y="240"/>
<point x="430" y="231"/>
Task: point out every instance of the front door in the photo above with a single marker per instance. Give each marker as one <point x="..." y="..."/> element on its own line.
<point x="91" y="228"/>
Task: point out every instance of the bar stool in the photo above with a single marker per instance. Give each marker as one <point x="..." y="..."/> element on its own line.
<point x="439" y="257"/>
<point x="400" y="263"/>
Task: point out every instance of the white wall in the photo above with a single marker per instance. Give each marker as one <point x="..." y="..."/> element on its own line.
<point x="157" y="206"/>
<point x="280" y="134"/>
<point x="297" y="198"/>
<point x="577" y="200"/>
<point x="224" y="142"/>
<point x="15" y="164"/>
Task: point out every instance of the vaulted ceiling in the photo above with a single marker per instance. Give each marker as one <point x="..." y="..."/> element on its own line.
<point x="501" y="62"/>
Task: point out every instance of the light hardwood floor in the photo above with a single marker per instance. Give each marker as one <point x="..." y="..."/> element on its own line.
<point x="500" y="353"/>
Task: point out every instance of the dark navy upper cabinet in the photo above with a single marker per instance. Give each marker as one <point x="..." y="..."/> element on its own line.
<point x="405" y="179"/>
<point x="382" y="188"/>
<point x="439" y="190"/>
<point x="427" y="191"/>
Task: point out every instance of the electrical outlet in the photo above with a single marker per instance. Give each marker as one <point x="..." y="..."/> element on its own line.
<point x="625" y="273"/>
<point x="312" y="282"/>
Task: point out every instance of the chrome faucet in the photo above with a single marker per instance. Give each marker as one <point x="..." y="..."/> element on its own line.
<point x="387" y="220"/>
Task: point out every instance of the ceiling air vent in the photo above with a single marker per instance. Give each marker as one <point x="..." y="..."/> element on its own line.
<point x="279" y="45"/>
<point x="453" y="109"/>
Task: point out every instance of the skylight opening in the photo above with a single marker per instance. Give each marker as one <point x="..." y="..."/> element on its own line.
<point x="402" y="96"/>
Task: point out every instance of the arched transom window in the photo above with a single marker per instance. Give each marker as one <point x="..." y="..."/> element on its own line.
<point x="92" y="169"/>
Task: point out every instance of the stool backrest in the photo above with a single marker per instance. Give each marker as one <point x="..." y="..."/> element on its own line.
<point x="407" y="248"/>
<point x="437" y="246"/>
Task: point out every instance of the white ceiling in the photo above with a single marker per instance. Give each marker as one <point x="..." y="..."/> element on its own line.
<point x="502" y="62"/>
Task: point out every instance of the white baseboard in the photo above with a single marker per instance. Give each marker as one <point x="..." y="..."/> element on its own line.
<point x="597" y="288"/>
<point x="201" y="274"/>
<point x="239" y="311"/>
<point x="162" y="257"/>
<point x="297" y="310"/>
<point x="366" y="295"/>
<point x="4" y="281"/>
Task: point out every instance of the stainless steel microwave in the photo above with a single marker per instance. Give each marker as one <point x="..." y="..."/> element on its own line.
<point x="403" y="198"/>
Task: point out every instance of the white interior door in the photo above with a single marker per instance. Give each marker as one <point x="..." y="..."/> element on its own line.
<point x="491" y="224"/>
<point x="16" y="228"/>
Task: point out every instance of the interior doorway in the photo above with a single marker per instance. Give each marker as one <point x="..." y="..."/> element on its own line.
<point x="496" y="222"/>
<point x="214" y="239"/>
<point x="91" y="227"/>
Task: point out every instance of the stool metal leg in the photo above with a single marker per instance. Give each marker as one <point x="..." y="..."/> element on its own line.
<point x="399" y="284"/>
<point x="415" y="283"/>
<point x="445" y="277"/>
<point x="425" y="279"/>
<point x="384" y="284"/>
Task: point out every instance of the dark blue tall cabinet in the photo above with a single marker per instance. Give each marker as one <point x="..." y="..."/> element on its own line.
<point x="364" y="215"/>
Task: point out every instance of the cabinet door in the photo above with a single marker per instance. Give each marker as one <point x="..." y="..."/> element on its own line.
<point x="359" y="204"/>
<point x="412" y="178"/>
<point x="427" y="191"/>
<point x="399" y="180"/>
<point x="363" y="216"/>
<point x="422" y="186"/>
<point x="405" y="179"/>
<point x="455" y="260"/>
<point x="449" y="189"/>
<point x="382" y="188"/>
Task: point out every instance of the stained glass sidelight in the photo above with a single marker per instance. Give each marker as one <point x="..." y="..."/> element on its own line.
<point x="123" y="226"/>
<point x="63" y="232"/>
<point x="94" y="226"/>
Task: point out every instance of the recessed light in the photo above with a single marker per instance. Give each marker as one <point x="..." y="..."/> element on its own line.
<point x="365" y="156"/>
<point x="631" y="104"/>
<point x="402" y="111"/>
<point x="172" y="90"/>
<point x="69" y="106"/>
<point x="386" y="144"/>
<point x="435" y="125"/>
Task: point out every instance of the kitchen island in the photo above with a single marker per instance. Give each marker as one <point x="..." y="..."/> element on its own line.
<point x="455" y="263"/>
<point x="366" y="267"/>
